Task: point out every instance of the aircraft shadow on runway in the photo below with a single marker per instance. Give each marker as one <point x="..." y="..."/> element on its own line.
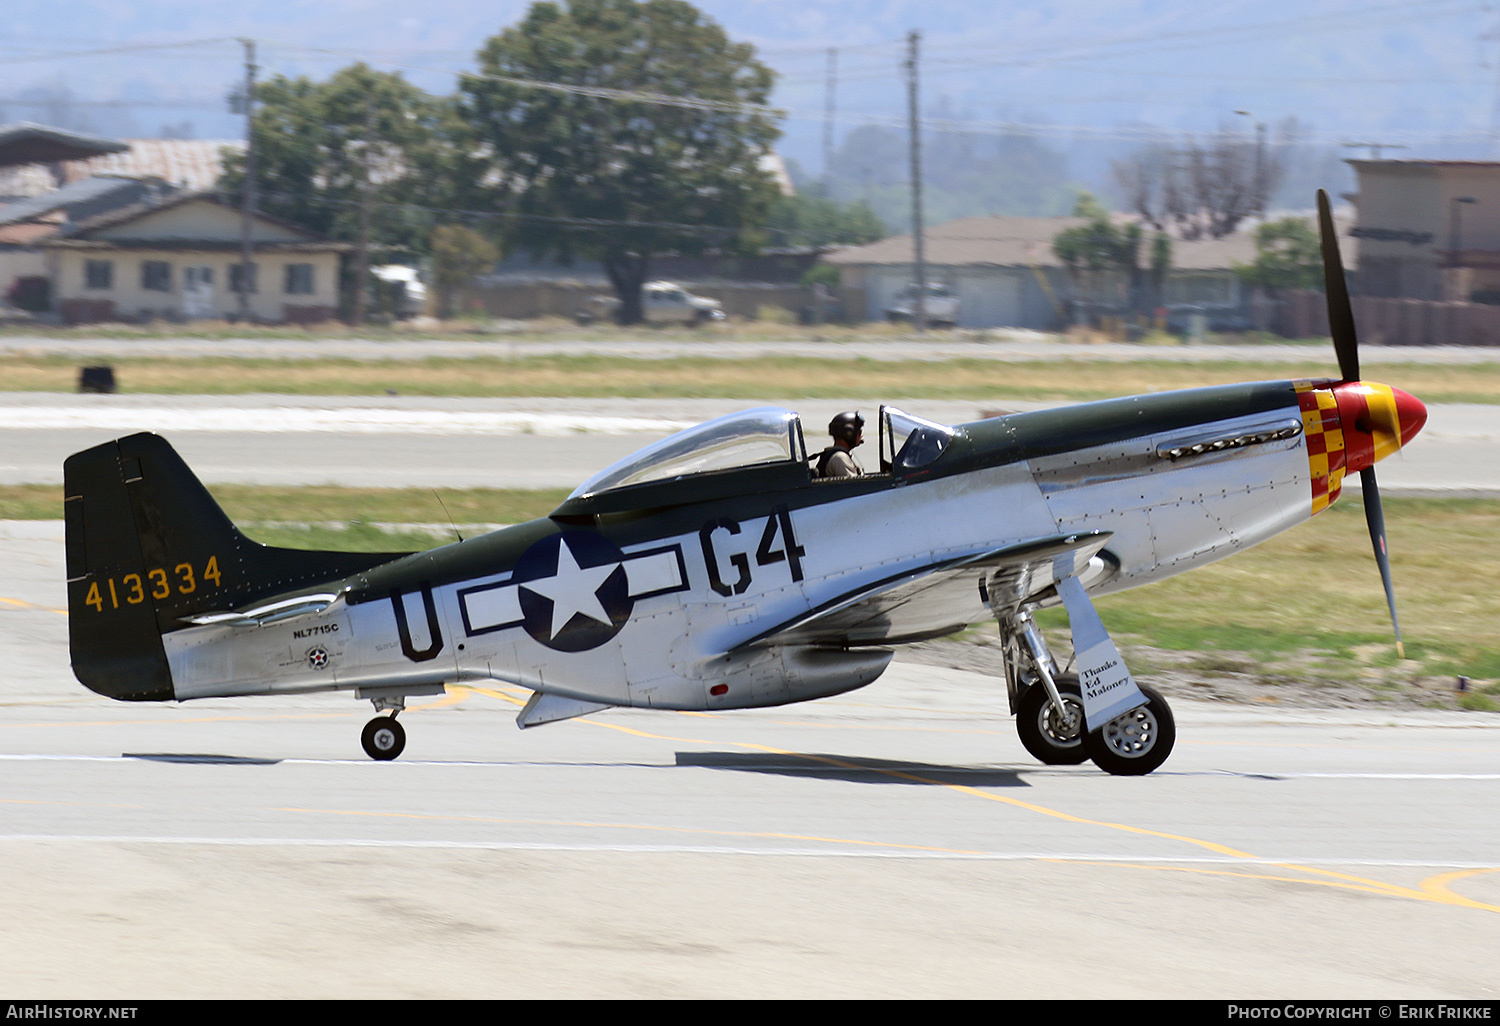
<point x="855" y="770"/>
<point x="214" y="760"/>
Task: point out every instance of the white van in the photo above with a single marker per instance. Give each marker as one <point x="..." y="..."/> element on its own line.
<point x="941" y="306"/>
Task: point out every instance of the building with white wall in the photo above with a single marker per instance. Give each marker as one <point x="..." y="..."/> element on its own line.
<point x="1005" y="274"/>
<point x="181" y="260"/>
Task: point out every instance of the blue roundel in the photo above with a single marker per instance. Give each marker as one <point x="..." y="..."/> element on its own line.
<point x="573" y="590"/>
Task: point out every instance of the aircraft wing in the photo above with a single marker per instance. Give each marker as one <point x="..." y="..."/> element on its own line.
<point x="940" y="597"/>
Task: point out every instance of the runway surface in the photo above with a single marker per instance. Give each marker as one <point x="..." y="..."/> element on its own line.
<point x="894" y="842"/>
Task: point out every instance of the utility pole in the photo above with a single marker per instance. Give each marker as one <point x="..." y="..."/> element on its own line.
<point x="1260" y="175"/>
<point x="828" y="119"/>
<point x="362" y="245"/>
<point x="919" y="308"/>
<point x="247" y="197"/>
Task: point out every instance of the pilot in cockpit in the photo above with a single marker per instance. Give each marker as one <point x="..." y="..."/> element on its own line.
<point x="837" y="460"/>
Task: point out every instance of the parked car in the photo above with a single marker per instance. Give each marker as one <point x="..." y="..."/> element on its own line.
<point x="941" y="306"/>
<point x="404" y="289"/>
<point x="662" y="302"/>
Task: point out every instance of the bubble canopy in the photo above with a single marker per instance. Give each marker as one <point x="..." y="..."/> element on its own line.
<point x="765" y="435"/>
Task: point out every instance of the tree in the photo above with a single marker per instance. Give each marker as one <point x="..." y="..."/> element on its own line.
<point x="1288" y="256"/>
<point x="1198" y="189"/>
<point x="458" y="254"/>
<point x="818" y="221"/>
<point x="362" y="141"/>
<point x="1101" y="244"/>
<point x="620" y="129"/>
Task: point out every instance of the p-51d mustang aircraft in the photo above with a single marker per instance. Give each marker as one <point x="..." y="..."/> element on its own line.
<point x="713" y="570"/>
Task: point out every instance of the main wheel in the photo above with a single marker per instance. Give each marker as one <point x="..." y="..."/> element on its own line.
<point x="1137" y="742"/>
<point x="1053" y="739"/>
<point x="383" y="738"/>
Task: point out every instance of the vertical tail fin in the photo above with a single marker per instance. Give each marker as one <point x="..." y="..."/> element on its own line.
<point x="147" y="547"/>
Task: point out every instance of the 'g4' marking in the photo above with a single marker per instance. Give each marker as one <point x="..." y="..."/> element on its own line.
<point x="766" y="554"/>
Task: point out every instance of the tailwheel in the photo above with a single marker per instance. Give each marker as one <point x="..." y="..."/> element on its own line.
<point x="1056" y="740"/>
<point x="383" y="738"/>
<point x="1137" y="742"/>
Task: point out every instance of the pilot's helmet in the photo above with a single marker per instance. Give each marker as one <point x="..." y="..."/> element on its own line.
<point x="846" y="428"/>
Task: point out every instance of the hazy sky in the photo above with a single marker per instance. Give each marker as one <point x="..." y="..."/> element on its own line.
<point x="1420" y="72"/>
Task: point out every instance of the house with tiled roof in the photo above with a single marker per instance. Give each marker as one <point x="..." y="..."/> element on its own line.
<point x="27" y="222"/>
<point x="181" y="259"/>
<point x="193" y="165"/>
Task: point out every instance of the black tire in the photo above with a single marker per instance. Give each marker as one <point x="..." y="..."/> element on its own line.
<point x="383" y="738"/>
<point x="1136" y="743"/>
<point x="1041" y="731"/>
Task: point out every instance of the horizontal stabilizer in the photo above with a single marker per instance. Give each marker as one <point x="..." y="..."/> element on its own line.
<point x="545" y="708"/>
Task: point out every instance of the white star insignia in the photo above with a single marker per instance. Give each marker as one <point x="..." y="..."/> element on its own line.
<point x="573" y="589"/>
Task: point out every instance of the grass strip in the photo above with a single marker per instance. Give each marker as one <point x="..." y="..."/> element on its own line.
<point x="698" y="377"/>
<point x="254" y="505"/>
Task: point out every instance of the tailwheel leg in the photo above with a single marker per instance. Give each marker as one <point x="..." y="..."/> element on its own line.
<point x="383" y="738"/>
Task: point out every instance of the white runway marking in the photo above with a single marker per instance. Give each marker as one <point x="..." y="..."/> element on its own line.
<point x="702" y="849"/>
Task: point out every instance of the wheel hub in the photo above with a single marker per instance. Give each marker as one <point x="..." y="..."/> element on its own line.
<point x="1133" y="734"/>
<point x="1064" y="728"/>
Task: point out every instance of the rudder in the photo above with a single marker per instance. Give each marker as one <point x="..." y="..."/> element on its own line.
<point x="148" y="547"/>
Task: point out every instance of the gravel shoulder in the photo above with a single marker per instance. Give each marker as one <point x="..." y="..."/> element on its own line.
<point x="1230" y="677"/>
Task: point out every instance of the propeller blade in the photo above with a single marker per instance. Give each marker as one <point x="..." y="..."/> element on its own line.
<point x="1375" y="517"/>
<point x="1340" y="313"/>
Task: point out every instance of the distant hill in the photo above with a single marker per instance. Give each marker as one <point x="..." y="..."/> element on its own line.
<point x="1089" y="78"/>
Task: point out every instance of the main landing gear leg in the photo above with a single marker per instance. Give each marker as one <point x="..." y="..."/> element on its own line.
<point x="1134" y="731"/>
<point x="1047" y="704"/>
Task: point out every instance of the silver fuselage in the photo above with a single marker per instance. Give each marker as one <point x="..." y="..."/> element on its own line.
<point x="694" y="586"/>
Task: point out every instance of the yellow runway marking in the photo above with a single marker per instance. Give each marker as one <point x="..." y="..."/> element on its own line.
<point x="193" y="719"/>
<point x="1432" y="890"/>
<point x="1437" y="887"/>
<point x="451" y="698"/>
<point x="23" y="604"/>
<point x="1372" y="886"/>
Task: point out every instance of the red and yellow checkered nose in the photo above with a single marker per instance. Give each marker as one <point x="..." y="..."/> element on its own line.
<point x="1377" y="420"/>
<point x="1349" y="425"/>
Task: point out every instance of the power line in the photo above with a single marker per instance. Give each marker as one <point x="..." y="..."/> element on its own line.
<point x="115" y="50"/>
